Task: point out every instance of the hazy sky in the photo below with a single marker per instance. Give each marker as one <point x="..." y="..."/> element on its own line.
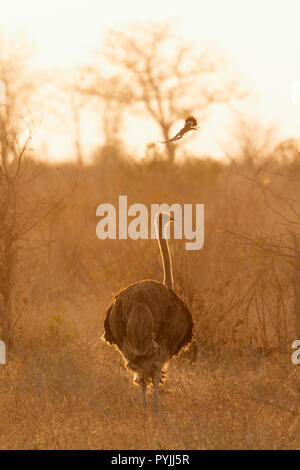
<point x="261" y="39"/>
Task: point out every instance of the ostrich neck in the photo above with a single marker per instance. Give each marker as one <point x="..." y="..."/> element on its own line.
<point x="165" y="255"/>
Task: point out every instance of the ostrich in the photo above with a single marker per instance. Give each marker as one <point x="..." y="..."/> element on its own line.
<point x="149" y="323"/>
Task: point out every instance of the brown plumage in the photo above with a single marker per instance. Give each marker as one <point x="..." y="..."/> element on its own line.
<point x="189" y="125"/>
<point x="149" y="323"/>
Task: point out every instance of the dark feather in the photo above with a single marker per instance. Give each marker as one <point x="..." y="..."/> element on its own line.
<point x="146" y="310"/>
<point x="190" y="120"/>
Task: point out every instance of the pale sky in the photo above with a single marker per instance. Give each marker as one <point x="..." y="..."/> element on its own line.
<point x="260" y="38"/>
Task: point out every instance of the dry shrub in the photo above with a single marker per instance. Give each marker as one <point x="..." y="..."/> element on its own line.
<point x="63" y="388"/>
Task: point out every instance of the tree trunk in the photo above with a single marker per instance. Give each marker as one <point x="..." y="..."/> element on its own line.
<point x="171" y="149"/>
<point x="77" y="136"/>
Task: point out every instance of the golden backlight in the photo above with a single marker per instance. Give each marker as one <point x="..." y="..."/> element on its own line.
<point x="149" y="226"/>
<point x="260" y="39"/>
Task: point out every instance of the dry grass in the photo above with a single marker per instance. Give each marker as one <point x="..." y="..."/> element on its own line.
<point x="65" y="389"/>
<point x="70" y="393"/>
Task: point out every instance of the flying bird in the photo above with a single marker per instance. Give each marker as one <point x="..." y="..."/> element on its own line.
<point x="190" y="125"/>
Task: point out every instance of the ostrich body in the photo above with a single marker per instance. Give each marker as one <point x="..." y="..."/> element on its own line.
<point x="149" y="323"/>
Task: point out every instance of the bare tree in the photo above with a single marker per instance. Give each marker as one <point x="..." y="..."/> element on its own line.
<point x="11" y="227"/>
<point x="74" y="103"/>
<point x="279" y="189"/>
<point x="166" y="77"/>
<point x="20" y="85"/>
<point x="17" y="216"/>
<point x="112" y="95"/>
<point x="16" y="220"/>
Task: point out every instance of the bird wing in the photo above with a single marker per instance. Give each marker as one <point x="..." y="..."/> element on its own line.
<point x="189" y="126"/>
<point x="114" y="326"/>
<point x="176" y="330"/>
<point x="178" y="136"/>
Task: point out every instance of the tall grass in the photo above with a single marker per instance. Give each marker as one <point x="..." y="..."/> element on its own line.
<point x="63" y="388"/>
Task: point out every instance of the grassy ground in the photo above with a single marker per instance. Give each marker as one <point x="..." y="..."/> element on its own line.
<point x="63" y="388"/>
<point x="71" y="391"/>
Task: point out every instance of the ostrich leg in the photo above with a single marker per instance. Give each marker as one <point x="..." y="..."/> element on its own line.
<point x="143" y="386"/>
<point x="156" y="380"/>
